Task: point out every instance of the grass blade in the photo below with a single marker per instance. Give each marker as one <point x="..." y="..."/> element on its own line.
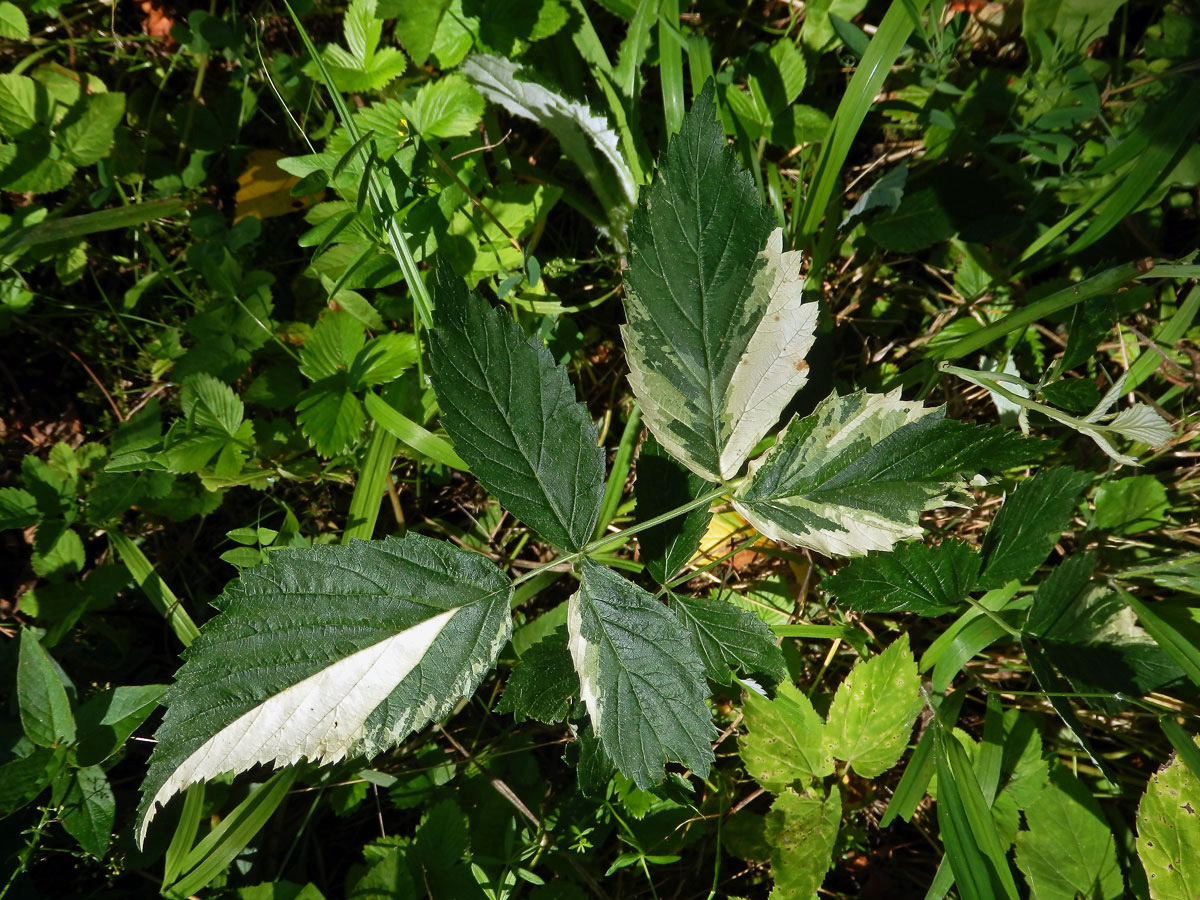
<point x="913" y="783"/>
<point x="619" y="473"/>
<point x="851" y="636"/>
<point x="627" y="74"/>
<point x="1167" y="138"/>
<point x="587" y="41"/>
<point x="670" y="64"/>
<point x="700" y="67"/>
<point x="877" y="61"/>
<point x="412" y="435"/>
<point x="371" y="484"/>
<point x="1168" y="334"/>
<point x="223" y="844"/>
<point x="976" y="637"/>
<point x="1185" y="654"/>
<point x="72" y="227"/>
<point x="973" y="847"/>
<point x="921" y="765"/>
<point x="185" y="834"/>
<point x="161" y="597"/>
<point x="1106" y="282"/>
<point x="991" y="750"/>
<point x="1050" y="684"/>
<point x="943" y="880"/>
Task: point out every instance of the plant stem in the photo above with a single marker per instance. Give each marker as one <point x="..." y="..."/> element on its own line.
<point x="991" y="382"/>
<point x="600" y="542"/>
<point x="28" y="854"/>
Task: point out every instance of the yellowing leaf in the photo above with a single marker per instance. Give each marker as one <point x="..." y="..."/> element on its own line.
<point x="725" y="530"/>
<point x="874" y="709"/>
<point x="264" y="188"/>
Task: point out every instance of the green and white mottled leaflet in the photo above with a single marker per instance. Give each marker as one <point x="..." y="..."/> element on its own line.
<point x="578" y="130"/>
<point x="852" y="477"/>
<point x="639" y="677"/>
<point x="717" y="328"/>
<point x="716" y="339"/>
<point x="326" y="653"/>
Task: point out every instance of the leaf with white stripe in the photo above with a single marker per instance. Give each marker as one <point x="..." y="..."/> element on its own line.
<point x="327" y="653"/>
<point x="579" y="131"/>
<point x="854" y="475"/>
<point x="639" y="677"/>
<point x="717" y="328"/>
<point x="772" y="369"/>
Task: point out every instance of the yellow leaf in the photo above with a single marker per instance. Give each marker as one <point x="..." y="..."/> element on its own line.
<point x="263" y="189"/>
<point x="726" y="530"/>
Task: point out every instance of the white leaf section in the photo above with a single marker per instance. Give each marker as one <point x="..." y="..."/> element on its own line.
<point x="1141" y="423"/>
<point x="572" y="123"/>
<point x="856" y="531"/>
<point x="818" y="488"/>
<point x="773" y="368"/>
<point x="586" y="658"/>
<point x="1007" y="409"/>
<point x="318" y="719"/>
<point x="1101" y="439"/>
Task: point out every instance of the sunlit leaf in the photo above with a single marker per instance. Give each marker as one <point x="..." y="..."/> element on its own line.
<point x="873" y="712"/>
<point x="784" y="741"/>
<point x="640" y="679"/>
<point x="801" y="830"/>
<point x="325" y="653"/>
<point x="1168" y="833"/>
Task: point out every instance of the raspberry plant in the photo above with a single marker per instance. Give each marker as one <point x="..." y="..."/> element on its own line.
<point x="325" y="653"/>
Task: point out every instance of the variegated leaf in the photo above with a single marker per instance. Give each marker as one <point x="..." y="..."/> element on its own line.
<point x="639" y="677"/>
<point x="326" y="653"/>
<point x="717" y="328"/>
<point x="850" y="478"/>
<point x="579" y="131"/>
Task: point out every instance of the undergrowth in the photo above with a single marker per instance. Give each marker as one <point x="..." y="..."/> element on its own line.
<point x="621" y="449"/>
